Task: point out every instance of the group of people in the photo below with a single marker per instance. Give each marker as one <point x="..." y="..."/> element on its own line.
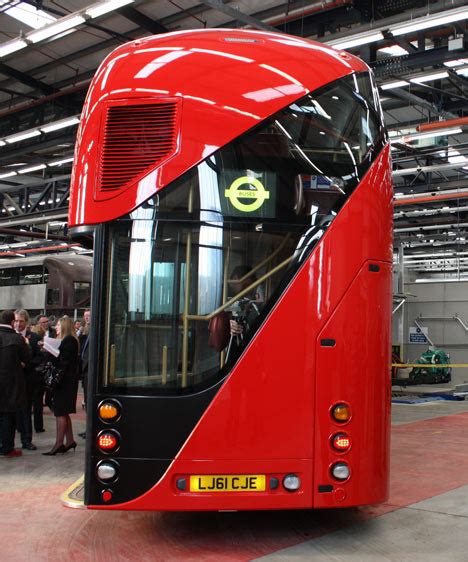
<point x="22" y="393"/>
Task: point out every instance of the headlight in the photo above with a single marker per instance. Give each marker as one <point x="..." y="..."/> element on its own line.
<point x="340" y="471"/>
<point x="291" y="482"/>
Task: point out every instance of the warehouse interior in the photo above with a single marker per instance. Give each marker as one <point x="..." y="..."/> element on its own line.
<point x="418" y="52"/>
<point x="420" y="66"/>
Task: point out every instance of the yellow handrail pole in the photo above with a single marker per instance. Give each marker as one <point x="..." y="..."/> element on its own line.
<point x="225" y="282"/>
<point x="262" y="263"/>
<point x="112" y="363"/>
<point x="242" y="293"/>
<point x="188" y="257"/>
<point x="164" y="365"/>
<point x="109" y="371"/>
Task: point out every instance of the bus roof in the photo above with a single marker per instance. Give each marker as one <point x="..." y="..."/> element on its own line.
<point x="210" y="86"/>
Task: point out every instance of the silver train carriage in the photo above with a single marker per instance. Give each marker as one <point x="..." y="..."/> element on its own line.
<point x="51" y="284"/>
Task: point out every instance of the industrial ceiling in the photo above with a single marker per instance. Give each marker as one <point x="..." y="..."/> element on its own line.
<point x="49" y="51"/>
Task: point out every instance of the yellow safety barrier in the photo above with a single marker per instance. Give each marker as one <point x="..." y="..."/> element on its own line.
<point x="426" y="365"/>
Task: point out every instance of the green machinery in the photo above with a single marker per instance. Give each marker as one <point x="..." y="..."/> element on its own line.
<point x="430" y="372"/>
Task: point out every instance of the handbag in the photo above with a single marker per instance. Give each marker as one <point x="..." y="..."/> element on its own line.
<point x="53" y="376"/>
<point x="219" y="329"/>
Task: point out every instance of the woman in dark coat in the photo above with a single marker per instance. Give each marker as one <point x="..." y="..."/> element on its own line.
<point x="64" y="396"/>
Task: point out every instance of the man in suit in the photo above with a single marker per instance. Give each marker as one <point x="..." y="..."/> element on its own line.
<point x="43" y="322"/>
<point x="14" y="355"/>
<point x="34" y="388"/>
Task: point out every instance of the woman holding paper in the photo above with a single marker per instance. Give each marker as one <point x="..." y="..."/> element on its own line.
<point x="64" y="396"/>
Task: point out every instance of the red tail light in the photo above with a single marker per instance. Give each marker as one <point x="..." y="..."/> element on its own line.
<point x="341" y="442"/>
<point x="108" y="441"/>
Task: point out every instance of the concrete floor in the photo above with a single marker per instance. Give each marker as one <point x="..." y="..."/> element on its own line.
<point x="426" y="517"/>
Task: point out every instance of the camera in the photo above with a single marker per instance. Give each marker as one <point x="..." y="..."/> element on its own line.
<point x="240" y="310"/>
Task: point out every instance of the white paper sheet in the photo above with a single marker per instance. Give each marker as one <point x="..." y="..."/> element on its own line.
<point x="52" y="345"/>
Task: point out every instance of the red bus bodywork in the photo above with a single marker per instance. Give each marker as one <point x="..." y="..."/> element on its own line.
<point x="272" y="414"/>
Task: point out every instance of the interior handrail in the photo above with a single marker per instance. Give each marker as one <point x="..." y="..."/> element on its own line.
<point x="262" y="263"/>
<point x="242" y="293"/>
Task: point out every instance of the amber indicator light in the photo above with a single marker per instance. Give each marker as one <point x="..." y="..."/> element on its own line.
<point x="341" y="442"/>
<point x="107" y="441"/>
<point x="108" y="411"/>
<point x="341" y="413"/>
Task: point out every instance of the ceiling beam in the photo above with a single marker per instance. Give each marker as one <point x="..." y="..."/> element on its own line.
<point x="34" y="219"/>
<point x="430" y="197"/>
<point x="437" y="186"/>
<point x="403" y="16"/>
<point x="425" y="169"/>
<point x="26" y="79"/>
<point x="153" y="26"/>
<point x="416" y="100"/>
<point x="33" y="235"/>
<point x="30" y="145"/>
<point x="237" y="14"/>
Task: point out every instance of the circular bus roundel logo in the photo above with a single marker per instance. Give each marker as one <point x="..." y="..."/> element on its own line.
<point x="258" y="195"/>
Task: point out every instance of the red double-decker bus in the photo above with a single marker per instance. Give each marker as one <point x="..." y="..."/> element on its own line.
<point x="239" y="187"/>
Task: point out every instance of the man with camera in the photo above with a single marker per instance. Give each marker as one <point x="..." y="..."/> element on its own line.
<point x="246" y="309"/>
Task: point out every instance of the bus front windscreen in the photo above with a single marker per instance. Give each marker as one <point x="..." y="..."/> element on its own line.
<point x="192" y="273"/>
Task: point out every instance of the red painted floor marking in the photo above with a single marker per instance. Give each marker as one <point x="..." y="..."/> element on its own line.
<point x="428" y="458"/>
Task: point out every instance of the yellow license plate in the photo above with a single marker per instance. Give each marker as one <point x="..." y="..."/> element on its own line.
<point x="228" y="483"/>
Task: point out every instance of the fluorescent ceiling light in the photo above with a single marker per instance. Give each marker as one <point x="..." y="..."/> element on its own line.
<point x="11" y="47"/>
<point x="429" y="77"/>
<point x="401" y="132"/>
<point x="60" y="124"/>
<point x="423" y="169"/>
<point x="430" y="134"/>
<point x="455" y="158"/>
<point x="61" y="25"/>
<point x="432" y="227"/>
<point x="28" y="15"/>
<point x="442" y="280"/>
<point x="426" y="22"/>
<point x="397" y="84"/>
<point x="22" y="136"/>
<point x="457" y="62"/>
<point x="32" y="169"/>
<point x="418" y="256"/>
<point x="101" y="8"/>
<point x="356" y="40"/>
<point x="48" y="128"/>
<point x="462" y="71"/>
<point x="7" y="175"/>
<point x="393" y="51"/>
<point x="60" y="162"/>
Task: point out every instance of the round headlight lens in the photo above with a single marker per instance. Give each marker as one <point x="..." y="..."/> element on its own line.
<point x="106" y="471"/>
<point x="340" y="471"/>
<point x="291" y="482"/>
